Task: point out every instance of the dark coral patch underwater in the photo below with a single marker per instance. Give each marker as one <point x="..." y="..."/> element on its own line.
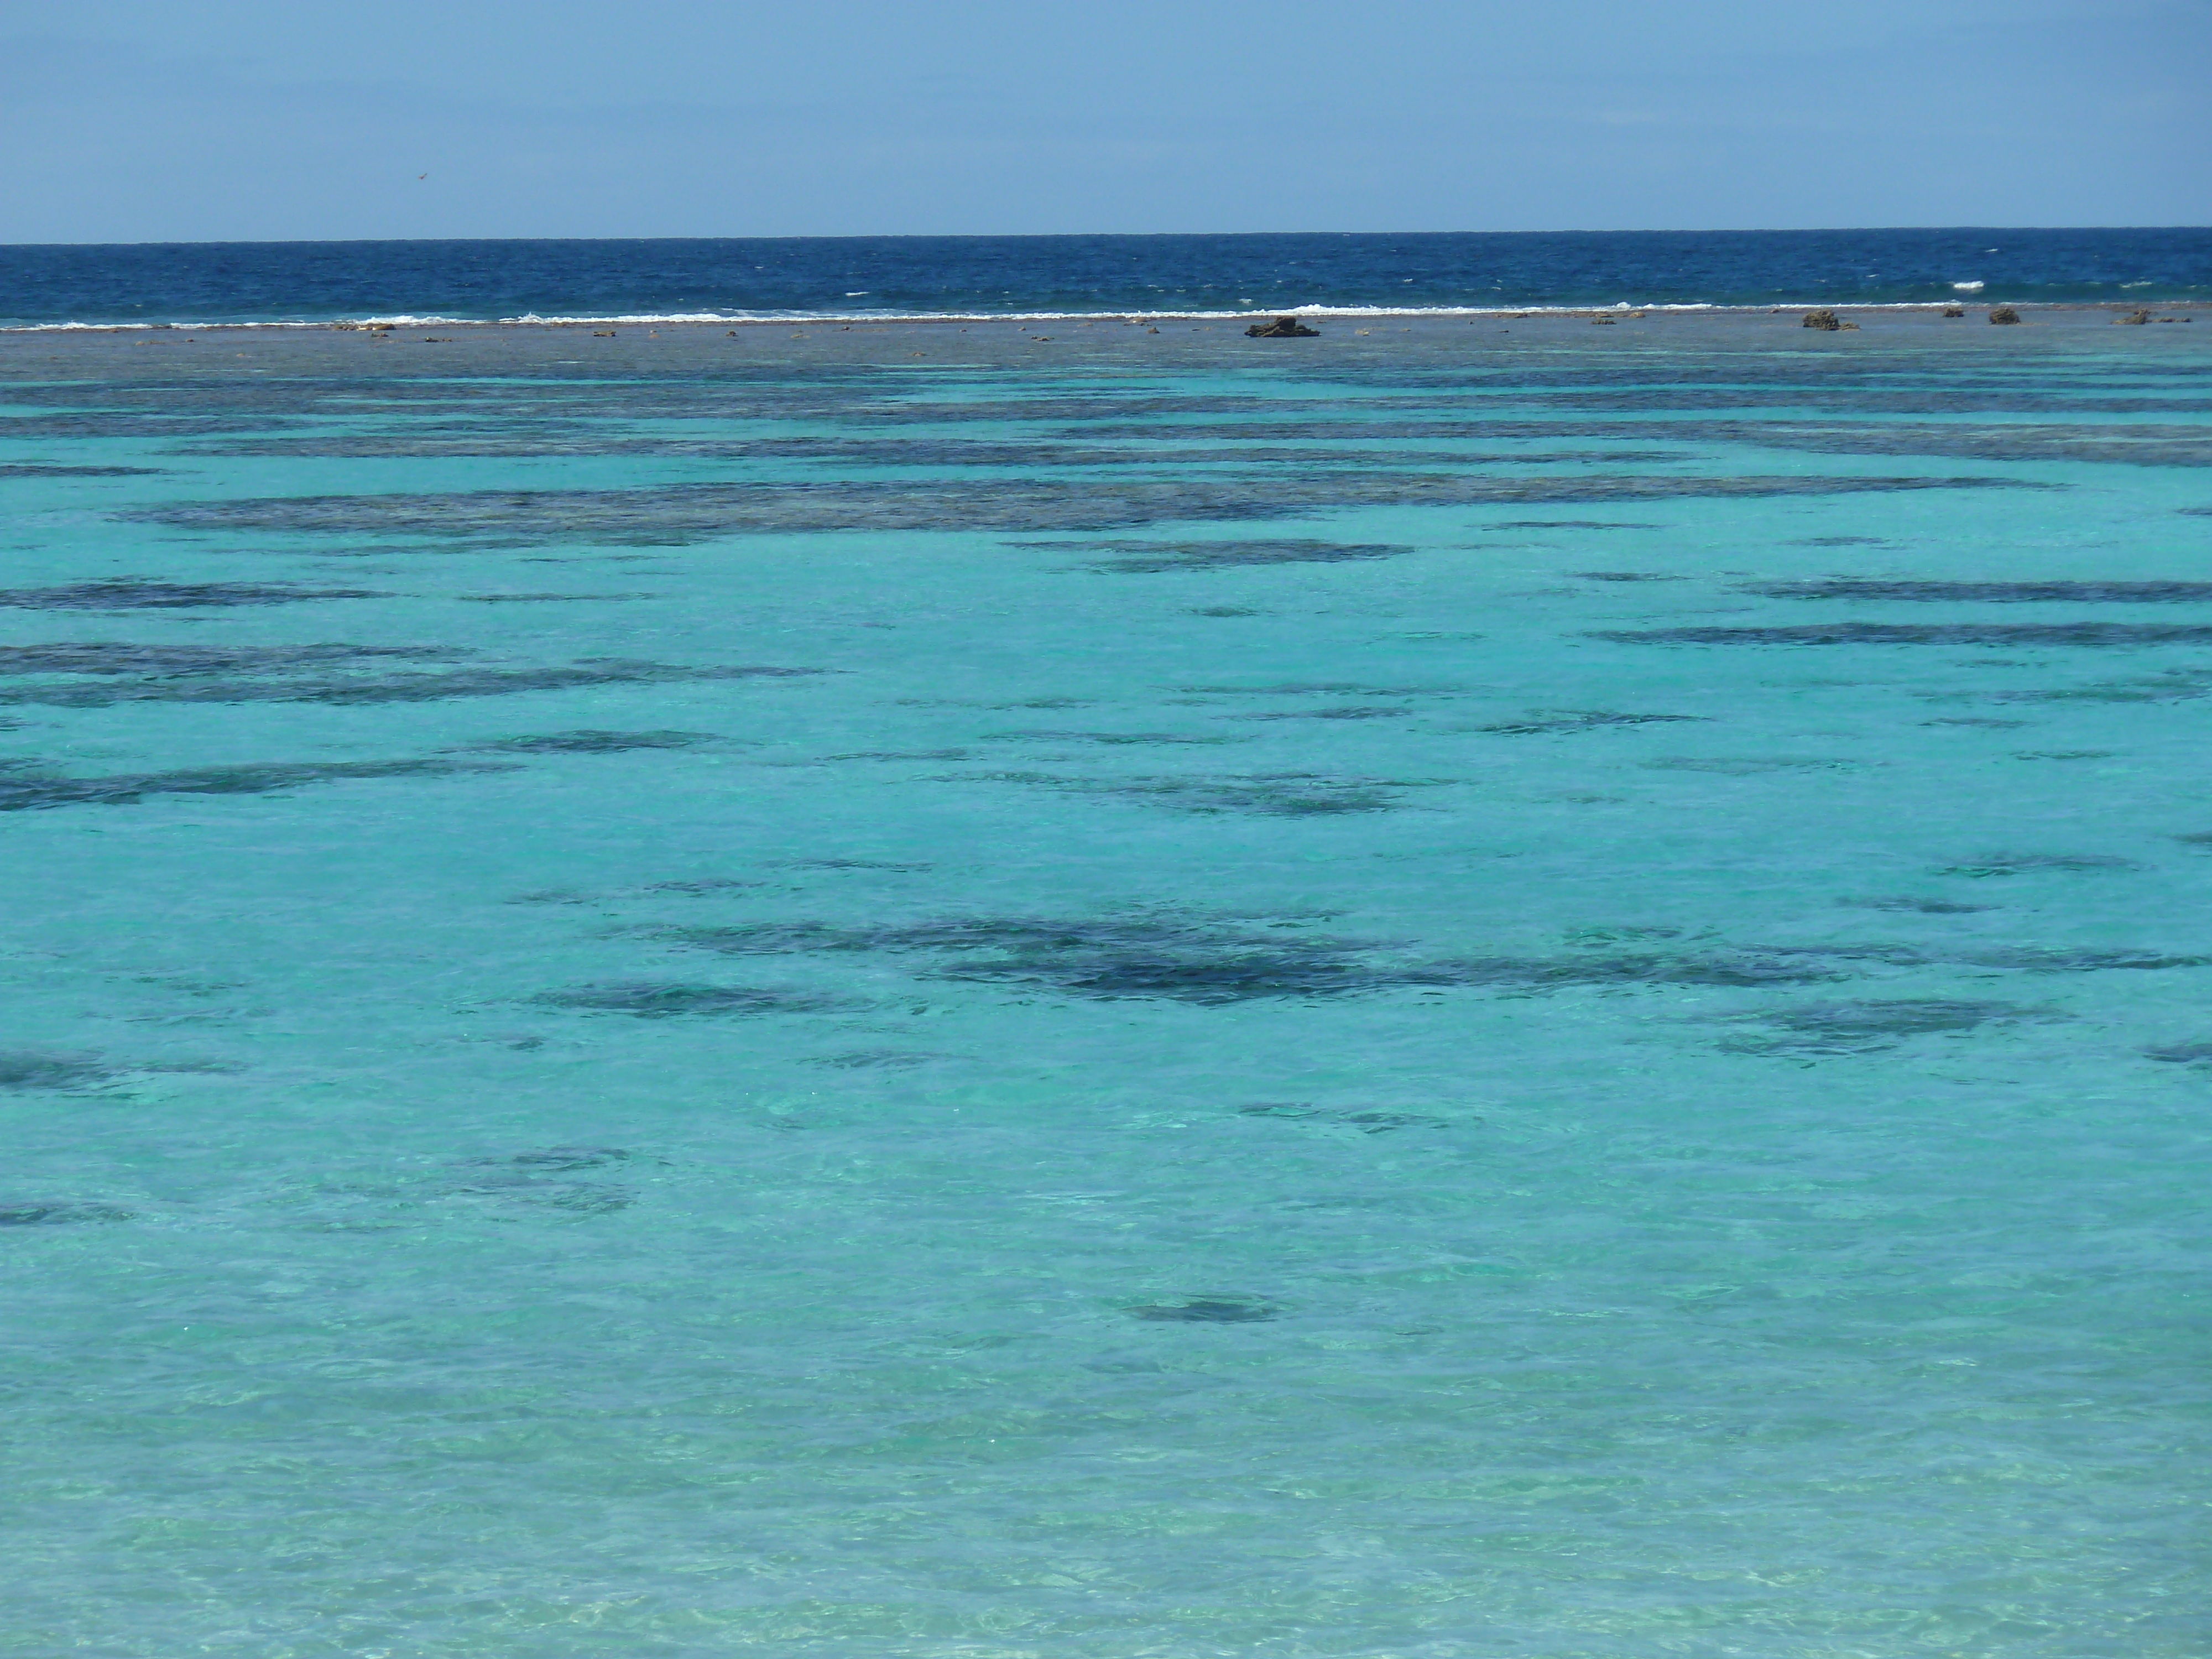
<point x="547" y="599"/>
<point x="591" y="741"/>
<point x="681" y="514"/>
<point x="144" y="593"/>
<point x="34" y="1070"/>
<point x="61" y="1214"/>
<point x="560" y="1158"/>
<point x="1546" y="722"/>
<point x="1816" y="1029"/>
<point x="1367" y="1120"/>
<point x="1863" y="633"/>
<point x="1334" y="711"/>
<point x="1155" y="558"/>
<point x="1193" y="958"/>
<point x="1749" y="766"/>
<point x="664" y="1000"/>
<point x="2166" y="685"/>
<point x="1214" y="962"/>
<point x="1574" y="523"/>
<point x="102" y="674"/>
<point x="2051" y="592"/>
<point x="1109" y="739"/>
<point x="2037" y="959"/>
<point x="1207" y="1311"/>
<point x="1926" y="907"/>
<point x="1280" y="794"/>
<point x="1319" y="688"/>
<point x="1187" y="961"/>
<point x="2023" y="864"/>
<point x="23" y="790"/>
<point x="1264" y="794"/>
<point x="2183" y="1053"/>
<point x="128" y="658"/>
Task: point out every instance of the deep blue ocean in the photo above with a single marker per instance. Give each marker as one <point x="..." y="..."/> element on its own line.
<point x="1476" y="986"/>
<point x="986" y="275"/>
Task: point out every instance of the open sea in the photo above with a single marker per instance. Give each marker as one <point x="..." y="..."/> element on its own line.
<point x="973" y="276"/>
<point x="1030" y="987"/>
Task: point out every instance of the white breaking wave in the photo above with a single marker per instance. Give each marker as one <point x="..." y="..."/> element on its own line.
<point x="1968" y="288"/>
<point x="209" y="328"/>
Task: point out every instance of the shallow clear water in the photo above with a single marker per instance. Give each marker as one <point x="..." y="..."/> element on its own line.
<point x="1431" y="993"/>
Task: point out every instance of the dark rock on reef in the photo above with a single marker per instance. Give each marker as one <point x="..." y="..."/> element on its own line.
<point x="2004" y="314"/>
<point x="2136" y="317"/>
<point x="1283" y="328"/>
<point x="1955" y="311"/>
<point x="1823" y="318"/>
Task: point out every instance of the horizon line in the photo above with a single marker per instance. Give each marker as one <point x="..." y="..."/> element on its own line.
<point x="1098" y="235"/>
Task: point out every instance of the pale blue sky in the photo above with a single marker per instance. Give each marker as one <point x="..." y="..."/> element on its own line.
<point x="122" y="120"/>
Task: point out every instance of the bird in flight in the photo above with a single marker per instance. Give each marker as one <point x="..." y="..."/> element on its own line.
<point x="420" y="176"/>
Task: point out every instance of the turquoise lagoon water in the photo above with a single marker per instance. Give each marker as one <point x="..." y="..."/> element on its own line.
<point x="1457" y="991"/>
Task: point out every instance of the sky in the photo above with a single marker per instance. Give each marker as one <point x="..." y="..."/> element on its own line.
<point x="149" y="120"/>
